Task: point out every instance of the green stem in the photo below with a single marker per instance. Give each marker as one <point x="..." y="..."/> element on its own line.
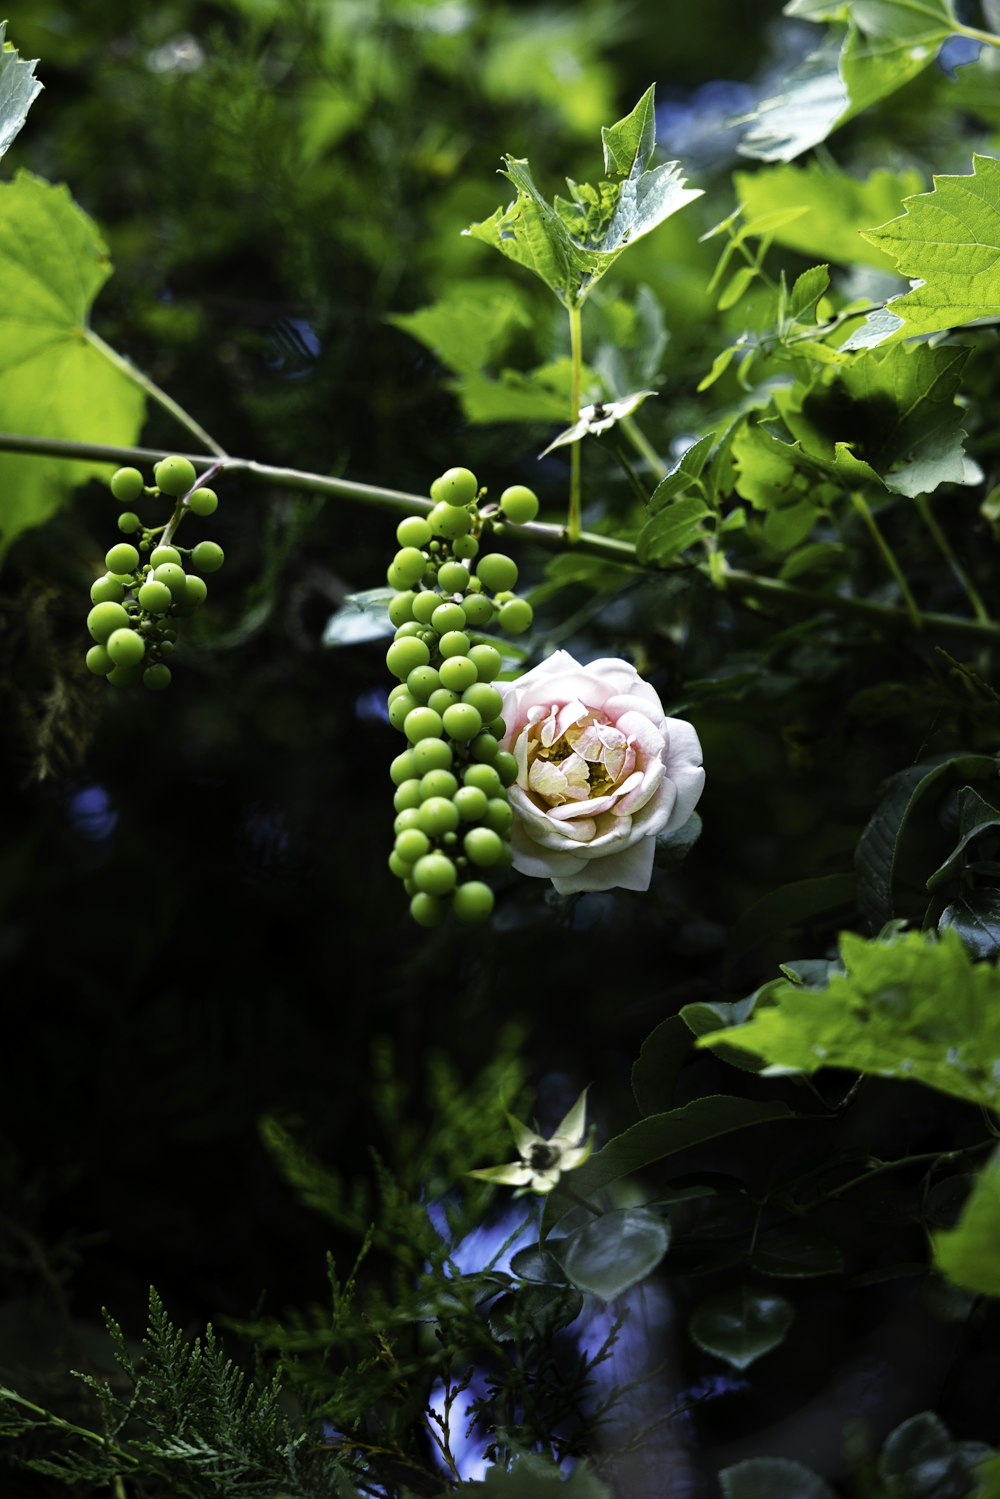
<point x="772" y="591"/>
<point x="888" y="557"/>
<point x="988" y="38"/>
<point x="944" y="547"/>
<point x="642" y="444"/>
<point x="618" y="449"/>
<point x="155" y="393"/>
<point x="574" y="523"/>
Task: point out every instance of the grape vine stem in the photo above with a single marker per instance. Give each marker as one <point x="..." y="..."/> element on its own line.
<point x="760" y="590"/>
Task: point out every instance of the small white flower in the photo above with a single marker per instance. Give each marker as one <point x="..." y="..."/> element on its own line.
<point x="543" y="1161"/>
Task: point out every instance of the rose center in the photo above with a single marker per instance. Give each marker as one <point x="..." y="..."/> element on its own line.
<point x="584" y="762"/>
<point x="542" y="1157"/>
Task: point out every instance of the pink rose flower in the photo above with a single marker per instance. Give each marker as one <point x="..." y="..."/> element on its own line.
<point x="600" y="771"/>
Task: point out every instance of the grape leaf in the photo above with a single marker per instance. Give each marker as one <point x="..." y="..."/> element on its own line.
<point x="18" y="90"/>
<point x="968" y="1254"/>
<point x="57" y="378"/>
<point x="741" y="1325"/>
<point x="470" y="324"/>
<point x="908" y="1007"/>
<point x="836" y="208"/>
<point x="948" y="240"/>
<point x="571" y="243"/>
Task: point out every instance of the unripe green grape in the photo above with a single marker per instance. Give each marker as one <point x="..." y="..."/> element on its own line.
<point x="408" y="818"/>
<point x="195" y="590"/>
<point x="454" y="643"/>
<point x="462" y="722"/>
<point x="129" y="522"/>
<point x="465" y="547"/>
<point x="104" y="618"/>
<point x="175" y="579"/>
<point x="399" y="866"/>
<point x="497" y="727"/>
<point x="519" y="504"/>
<point x="155" y="597"/>
<point x="397" y="691"/>
<point x="401" y="607"/>
<point x="156" y="677"/>
<point x="406" y="568"/>
<point x="413" y="531"/>
<point x="126" y="647"/>
<point x="165" y="647"/>
<point x="441" y="698"/>
<point x="499" y="816"/>
<point x="422" y="681"/>
<point x="403" y="768"/>
<point x="497" y="571"/>
<point x="412" y="844"/>
<point x="407" y="795"/>
<point x="203" y="501"/>
<point x="457" y="673"/>
<point x="123" y="558"/>
<point x="409" y="627"/>
<point x="453" y="577"/>
<point x="485" y="699"/>
<point x="448" y="617"/>
<point x="503" y="597"/>
<point x="424" y="605"/>
<point x="478" y="609"/>
<point x="471" y="803"/>
<point x="98" y="661"/>
<point x="399" y="709"/>
<point x="484" y="747"/>
<point x="422" y="723"/>
<point x="438" y="815"/>
<point x="438" y="783"/>
<point x="506" y="767"/>
<point x="107" y="590"/>
<point x="435" y="874"/>
<point x="505" y="860"/>
<point x="482" y="846"/>
<point x="124" y="676"/>
<point x="432" y="754"/>
<point x="208" y="556"/>
<point x="456" y="486"/>
<point x="483" y="776"/>
<point x="487" y="661"/>
<point x="426" y="910"/>
<point x="174" y="475"/>
<point x="472" y="901"/>
<point x="516" y="616"/>
<point x="127" y="485"/>
<point x="162" y="554"/>
<point x="403" y="655"/>
<point x="449" y="521"/>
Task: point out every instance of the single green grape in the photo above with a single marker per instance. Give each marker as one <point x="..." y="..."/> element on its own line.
<point x="478" y="609"/>
<point x="465" y="547"/>
<point x="432" y="754"/>
<point x="122" y="559"/>
<point x="437" y="783"/>
<point x="403" y="655"/>
<point x="516" y="616"/>
<point x="104" y="618"/>
<point x="448" y="521"/>
<point x="435" y="874"/>
<point x="519" y="504"/>
<point x="155" y="597"/>
<point x="107" y="590"/>
<point x="129" y="522"/>
<point x="126" y="647"/>
<point x="408" y="818"/>
<point x="413" y="531"/>
<point x="426" y="910"/>
<point x="208" y="556"/>
<point x="422" y="723"/>
<point x="203" y="501"/>
<point x="454" y="643"/>
<point x="399" y="866"/>
<point x="461" y="722"/>
<point x="156" y="677"/>
<point x="407" y="795"/>
<point x="174" y="577"/>
<point x="422" y="681"/>
<point x="496" y="572"/>
<point x="457" y="673"/>
<point x="484" y="747"/>
<point x="424" y="605"/>
<point x="453" y="577"/>
<point x="506" y="767"/>
<point x="127" y="485"/>
<point x="441" y="698"/>
<point x="448" y="617"/>
<point x="497" y="727"/>
<point x="487" y="661"/>
<point x="124" y="676"/>
<point x="402" y="768"/>
<point x="399" y="709"/>
<point x="456" y="486"/>
<point x="412" y="844"/>
<point x="401" y="607"/>
<point x="195" y="590"/>
<point x="485" y="699"/>
<point x="472" y="901"/>
<point x="438" y="815"/>
<point x="174" y="475"/>
<point x="471" y="803"/>
<point x="482" y="846"/>
<point x="485" y="777"/>
<point x="162" y="554"/>
<point x="406" y="568"/>
<point x="409" y="627"/>
<point x="499" y="816"/>
<point x="98" y="661"/>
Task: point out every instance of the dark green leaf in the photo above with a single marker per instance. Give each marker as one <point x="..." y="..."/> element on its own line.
<point x="969" y="1255"/>
<point x="742" y="1325"/>
<point x="676" y="527"/>
<point x="975" y="916"/>
<point x="921" y="1460"/>
<point x="796" y="1256"/>
<point x="789" y="906"/>
<point x="534" y="1477"/>
<point x="615" y="1251"/>
<point x="18" y="90"/>
<point x="975" y="815"/>
<point x="661" y="1057"/>
<point x="772" y="1478"/>
<point x="469" y="325"/>
<point x="685" y="472"/>
<point x="541" y="1309"/>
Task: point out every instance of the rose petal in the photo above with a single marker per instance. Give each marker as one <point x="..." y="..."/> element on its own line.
<point x="630" y="869"/>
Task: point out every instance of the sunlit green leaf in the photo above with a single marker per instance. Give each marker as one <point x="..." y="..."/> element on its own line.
<point x="741" y="1325"/>
<point x="836" y="207"/>
<point x="970" y="1254"/>
<point x="468" y="325"/>
<point x="668" y="533"/>
<point x="910" y="1007"/>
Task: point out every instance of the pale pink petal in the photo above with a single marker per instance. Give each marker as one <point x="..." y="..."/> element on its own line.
<point x="630" y="869"/>
<point x="530" y="858"/>
<point x="640" y="698"/>
<point x="638" y="795"/>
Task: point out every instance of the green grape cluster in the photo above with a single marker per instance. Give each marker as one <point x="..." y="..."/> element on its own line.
<point x="147" y="587"/>
<point x="453" y="819"/>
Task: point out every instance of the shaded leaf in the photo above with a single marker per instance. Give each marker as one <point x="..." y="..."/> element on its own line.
<point x="969" y="1255"/>
<point x="772" y="1478"/>
<point x="921" y="1460"/>
<point x="615" y="1251"/>
<point x="975" y="916"/>
<point x="361" y="617"/>
<point x="797" y="1256"/>
<point x="18" y="90"/>
<point x="741" y="1325"/>
<point x="975" y="815"/>
<point x="660" y="1059"/>
<point x="673" y="529"/>
<point x="468" y="325"/>
<point x="534" y="1477"/>
<point x="788" y="906"/>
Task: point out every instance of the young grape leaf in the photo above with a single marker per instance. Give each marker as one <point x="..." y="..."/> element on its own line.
<point x="909" y="1007"/>
<point x="469" y="325"/>
<point x="57" y="378"/>
<point x="571" y="243"/>
<point x="968" y="1254"/>
<point x="742" y="1325"/>
<point x="615" y="1251"/>
<point x="948" y="241"/>
<point x="837" y="207"/>
<point x="18" y="90"/>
